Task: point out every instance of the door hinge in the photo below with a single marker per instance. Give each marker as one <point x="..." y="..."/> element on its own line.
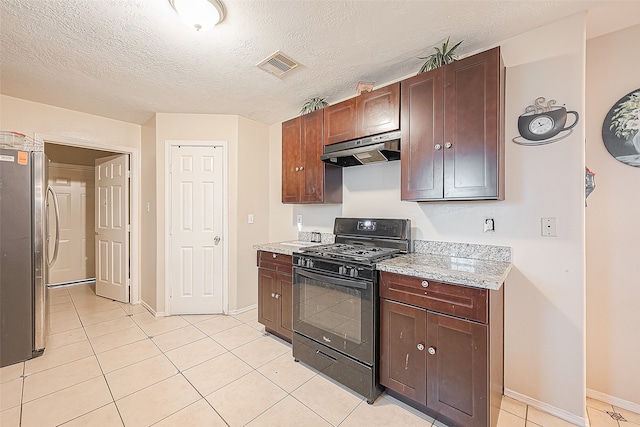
<point x="128" y="228"/>
<point x="128" y="174"/>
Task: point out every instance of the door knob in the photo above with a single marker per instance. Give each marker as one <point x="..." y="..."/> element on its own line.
<point x="216" y="240"/>
<point x="448" y="145"/>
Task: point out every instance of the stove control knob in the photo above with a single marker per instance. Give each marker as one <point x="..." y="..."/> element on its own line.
<point x="353" y="272"/>
<point x="342" y="270"/>
<point x="301" y="262"/>
<point x="309" y="263"/>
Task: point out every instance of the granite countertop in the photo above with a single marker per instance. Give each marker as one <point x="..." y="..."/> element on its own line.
<point x="479" y="273"/>
<point x="286" y="248"/>
<point x="480" y="266"/>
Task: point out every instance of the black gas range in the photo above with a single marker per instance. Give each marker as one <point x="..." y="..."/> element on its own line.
<point x="335" y="300"/>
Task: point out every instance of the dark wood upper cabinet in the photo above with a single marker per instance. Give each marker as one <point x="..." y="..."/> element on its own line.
<point x="340" y="122"/>
<point x="422" y="118"/>
<point x="452" y="137"/>
<point x="378" y="111"/>
<point x="291" y="161"/>
<point x="368" y="114"/>
<point x="305" y="178"/>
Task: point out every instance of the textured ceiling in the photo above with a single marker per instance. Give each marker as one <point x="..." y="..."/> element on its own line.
<point x="127" y="59"/>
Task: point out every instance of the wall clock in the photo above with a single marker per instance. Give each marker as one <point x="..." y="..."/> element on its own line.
<point x="542" y="123"/>
<point x="621" y="129"/>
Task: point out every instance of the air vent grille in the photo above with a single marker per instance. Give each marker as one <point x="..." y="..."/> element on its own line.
<point x="278" y="64"/>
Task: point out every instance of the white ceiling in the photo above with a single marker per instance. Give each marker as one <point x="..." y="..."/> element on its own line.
<point x="127" y="59"/>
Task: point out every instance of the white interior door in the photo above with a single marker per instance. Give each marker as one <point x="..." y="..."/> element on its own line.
<point x="195" y="279"/>
<point x="74" y="187"/>
<point x="112" y="222"/>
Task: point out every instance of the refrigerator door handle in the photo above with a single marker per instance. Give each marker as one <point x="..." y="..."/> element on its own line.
<point x="57" y="212"/>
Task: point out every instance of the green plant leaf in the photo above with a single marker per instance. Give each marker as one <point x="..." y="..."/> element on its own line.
<point x="440" y="57"/>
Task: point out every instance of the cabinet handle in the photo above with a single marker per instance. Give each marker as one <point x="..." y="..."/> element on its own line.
<point x="297" y="169"/>
<point x="273" y="295"/>
<point x="425" y="284"/>
<point x="301" y="167"/>
<point x="274" y="255"/>
<point x="277" y="296"/>
<point x="420" y="347"/>
<point x="431" y="350"/>
<point x="448" y="145"/>
<point x="438" y="147"/>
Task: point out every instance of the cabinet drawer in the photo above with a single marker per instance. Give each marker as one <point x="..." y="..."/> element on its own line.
<point x="277" y="262"/>
<point x="461" y="301"/>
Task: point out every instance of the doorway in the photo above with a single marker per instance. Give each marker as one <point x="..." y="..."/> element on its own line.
<point x="196" y="250"/>
<point x="71" y="153"/>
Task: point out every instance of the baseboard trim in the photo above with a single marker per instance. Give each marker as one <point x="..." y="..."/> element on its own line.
<point x="242" y="310"/>
<point x="545" y="407"/>
<point x="151" y="310"/>
<point x="612" y="400"/>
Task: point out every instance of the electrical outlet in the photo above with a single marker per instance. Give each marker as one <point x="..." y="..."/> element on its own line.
<point x="489" y="225"/>
<point x="299" y="219"/>
<point x="250" y="218"/>
<point x="548" y="227"/>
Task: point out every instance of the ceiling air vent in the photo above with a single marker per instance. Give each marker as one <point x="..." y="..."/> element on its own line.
<point x="278" y="64"/>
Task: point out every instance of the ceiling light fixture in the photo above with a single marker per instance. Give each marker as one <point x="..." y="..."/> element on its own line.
<point x="199" y="14"/>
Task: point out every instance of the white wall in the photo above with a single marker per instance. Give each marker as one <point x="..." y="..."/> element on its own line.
<point x="149" y="248"/>
<point x="29" y="118"/>
<point x="545" y="293"/>
<point x="248" y="147"/>
<point x="613" y="230"/>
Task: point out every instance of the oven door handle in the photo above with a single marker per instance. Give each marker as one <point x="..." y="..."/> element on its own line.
<point x="331" y="279"/>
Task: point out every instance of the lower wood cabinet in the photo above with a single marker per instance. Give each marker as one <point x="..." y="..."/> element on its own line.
<point x="449" y="367"/>
<point x="274" y="293"/>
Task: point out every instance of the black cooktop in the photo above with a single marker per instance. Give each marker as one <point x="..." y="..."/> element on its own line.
<point x="348" y="252"/>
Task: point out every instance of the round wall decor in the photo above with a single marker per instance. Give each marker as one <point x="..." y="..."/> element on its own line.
<point x="621" y="129"/>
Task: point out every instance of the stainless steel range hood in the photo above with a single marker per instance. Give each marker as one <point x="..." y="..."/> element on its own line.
<point x="372" y="149"/>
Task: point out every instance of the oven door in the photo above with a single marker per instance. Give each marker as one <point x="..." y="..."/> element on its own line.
<point x="336" y="312"/>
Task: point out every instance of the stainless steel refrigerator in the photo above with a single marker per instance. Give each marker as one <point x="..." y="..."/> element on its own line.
<point x="24" y="262"/>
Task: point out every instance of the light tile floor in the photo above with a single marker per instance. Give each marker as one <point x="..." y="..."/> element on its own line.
<point x="111" y="364"/>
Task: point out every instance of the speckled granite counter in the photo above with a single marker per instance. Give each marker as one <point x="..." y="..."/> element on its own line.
<point x="286" y="248"/>
<point x="291" y="246"/>
<point x="480" y="266"/>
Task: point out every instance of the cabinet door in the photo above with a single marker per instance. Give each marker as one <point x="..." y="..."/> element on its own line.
<point x="291" y="162"/>
<point x="422" y="136"/>
<point x="268" y="312"/>
<point x="312" y="172"/>
<point x="403" y="331"/>
<point x="472" y="99"/>
<point x="457" y="370"/>
<point x="285" y="302"/>
<point x="378" y="111"/>
<point x="340" y="122"/>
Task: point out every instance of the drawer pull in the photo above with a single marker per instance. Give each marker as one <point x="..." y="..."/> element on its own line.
<point x="425" y="284"/>
<point x="431" y="350"/>
<point x="275" y="256"/>
<point x="420" y="347"/>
